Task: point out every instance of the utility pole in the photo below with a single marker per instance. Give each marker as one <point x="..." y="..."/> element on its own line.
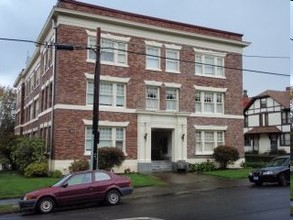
<point x="96" y="133"/>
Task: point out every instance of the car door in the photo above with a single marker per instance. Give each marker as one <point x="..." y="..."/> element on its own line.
<point x="102" y="182"/>
<point x="76" y="189"/>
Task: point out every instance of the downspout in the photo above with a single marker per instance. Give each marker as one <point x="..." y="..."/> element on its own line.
<point x="53" y="96"/>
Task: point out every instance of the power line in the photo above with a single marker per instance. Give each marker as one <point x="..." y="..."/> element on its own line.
<point x="144" y="54"/>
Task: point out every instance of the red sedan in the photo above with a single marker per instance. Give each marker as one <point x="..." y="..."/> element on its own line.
<point x="79" y="187"/>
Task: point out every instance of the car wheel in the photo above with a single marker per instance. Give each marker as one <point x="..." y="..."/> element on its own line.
<point x="46" y="205"/>
<point x="282" y="180"/>
<point x="113" y="197"/>
<point x="258" y="183"/>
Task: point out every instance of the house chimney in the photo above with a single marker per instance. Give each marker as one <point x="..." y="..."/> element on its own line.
<point x="245" y="94"/>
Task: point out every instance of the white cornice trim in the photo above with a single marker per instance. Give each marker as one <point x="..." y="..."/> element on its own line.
<point x="70" y="17"/>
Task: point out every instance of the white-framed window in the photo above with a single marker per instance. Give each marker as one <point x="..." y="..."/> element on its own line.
<point x="172" y="60"/>
<point x="152" y="98"/>
<point x="207" y="140"/>
<point x="209" y="102"/>
<point x="111" y="93"/>
<point x="153" y="61"/>
<point x="113" y="52"/>
<point x="209" y="64"/>
<point x="109" y="137"/>
<point x="172" y="99"/>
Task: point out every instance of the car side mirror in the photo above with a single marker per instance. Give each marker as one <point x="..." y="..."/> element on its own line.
<point x="64" y="185"/>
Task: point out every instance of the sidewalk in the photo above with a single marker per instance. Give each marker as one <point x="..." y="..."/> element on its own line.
<point x="176" y="184"/>
<point x="186" y="183"/>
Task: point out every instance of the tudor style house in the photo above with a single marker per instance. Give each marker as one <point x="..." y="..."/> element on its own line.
<point x="267" y="122"/>
<point x="168" y="91"/>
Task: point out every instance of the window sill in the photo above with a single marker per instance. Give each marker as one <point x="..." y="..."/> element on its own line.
<point x="209" y="76"/>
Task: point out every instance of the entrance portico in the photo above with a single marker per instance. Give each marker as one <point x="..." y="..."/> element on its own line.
<point x="161" y="136"/>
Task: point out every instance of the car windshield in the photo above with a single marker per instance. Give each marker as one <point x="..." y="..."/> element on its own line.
<point x="61" y="181"/>
<point x="277" y="162"/>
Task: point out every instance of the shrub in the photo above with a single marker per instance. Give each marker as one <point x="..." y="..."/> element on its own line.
<point x="36" y="170"/>
<point x="56" y="174"/>
<point x="110" y="157"/>
<point x="225" y="155"/>
<point x="79" y="165"/>
<point x="26" y="151"/>
<point x="202" y="167"/>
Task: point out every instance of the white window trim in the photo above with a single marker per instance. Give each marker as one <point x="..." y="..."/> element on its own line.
<point x="173" y="46"/>
<point x="177" y="60"/>
<point x="155" y="45"/>
<point x="173" y="85"/>
<point x="107" y="123"/>
<point x="113" y="38"/>
<point x="108" y="78"/>
<point x="210" y="128"/>
<point x="177" y="100"/>
<point x="158" y="99"/>
<point x="112" y="125"/>
<point x="214" y="54"/>
<point x="153" y="83"/>
<point x="209" y="89"/>
<point x="210" y="52"/>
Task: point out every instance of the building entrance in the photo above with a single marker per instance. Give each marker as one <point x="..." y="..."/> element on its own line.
<point x="161" y="144"/>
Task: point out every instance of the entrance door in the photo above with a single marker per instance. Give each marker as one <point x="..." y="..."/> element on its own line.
<point x="274" y="142"/>
<point x="161" y="144"/>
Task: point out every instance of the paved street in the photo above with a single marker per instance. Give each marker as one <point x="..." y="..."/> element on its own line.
<point x="269" y="202"/>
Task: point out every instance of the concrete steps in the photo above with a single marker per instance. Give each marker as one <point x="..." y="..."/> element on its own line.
<point x="161" y="166"/>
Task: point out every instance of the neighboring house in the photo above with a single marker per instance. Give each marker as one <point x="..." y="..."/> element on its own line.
<point x="169" y="91"/>
<point x="267" y="122"/>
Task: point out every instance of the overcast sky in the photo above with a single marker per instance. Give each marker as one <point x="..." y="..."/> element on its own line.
<point x="266" y="24"/>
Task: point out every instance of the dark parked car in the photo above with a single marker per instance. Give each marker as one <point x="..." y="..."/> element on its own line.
<point x="276" y="171"/>
<point x="79" y="187"/>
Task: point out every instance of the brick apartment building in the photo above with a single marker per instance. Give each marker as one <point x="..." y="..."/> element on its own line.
<point x="169" y="91"/>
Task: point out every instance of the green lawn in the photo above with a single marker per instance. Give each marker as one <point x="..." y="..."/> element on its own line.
<point x="231" y="173"/>
<point x="14" y="185"/>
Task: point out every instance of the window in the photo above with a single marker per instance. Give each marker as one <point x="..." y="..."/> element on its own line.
<point x="113" y="52"/>
<point x="285" y="117"/>
<point x="209" y="102"/>
<point x="111" y="94"/>
<point x="152" y="98"/>
<point x="171" y="99"/>
<point x="172" y="60"/>
<point x="285" y="139"/>
<point x="245" y="121"/>
<point x="247" y="141"/>
<point x="79" y="179"/>
<point x="206" y="141"/>
<point x="209" y="65"/>
<point x="100" y="176"/>
<point x="263" y="103"/>
<point x="153" y="58"/>
<point x="109" y="137"/>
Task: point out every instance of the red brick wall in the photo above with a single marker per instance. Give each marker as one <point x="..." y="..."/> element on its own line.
<point x="71" y="89"/>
